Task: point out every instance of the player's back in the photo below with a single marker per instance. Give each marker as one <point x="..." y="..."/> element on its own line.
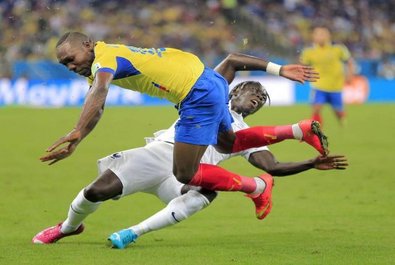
<point x="163" y="72"/>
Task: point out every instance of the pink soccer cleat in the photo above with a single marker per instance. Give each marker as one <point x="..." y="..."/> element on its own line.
<point x="313" y="135"/>
<point x="263" y="201"/>
<point x="53" y="234"/>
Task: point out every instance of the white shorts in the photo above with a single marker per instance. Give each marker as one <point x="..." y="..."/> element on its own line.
<point x="146" y="169"/>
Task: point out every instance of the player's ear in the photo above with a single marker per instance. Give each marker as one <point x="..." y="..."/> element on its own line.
<point x="88" y="44"/>
<point x="233" y="92"/>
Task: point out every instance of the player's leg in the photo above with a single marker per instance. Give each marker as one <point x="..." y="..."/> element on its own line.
<point x="202" y="115"/>
<point x="336" y="102"/>
<point x="121" y="174"/>
<point x="186" y="159"/>
<point x="316" y="112"/>
<point x="106" y="186"/>
<point x="179" y="207"/>
<point x="308" y="131"/>
<point x="213" y="177"/>
<point x="318" y="99"/>
<point x="189" y="170"/>
<point x="177" y="210"/>
<point x="259" y="189"/>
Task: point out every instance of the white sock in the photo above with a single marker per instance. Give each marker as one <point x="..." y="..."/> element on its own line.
<point x="260" y="186"/>
<point x="79" y="209"/>
<point x="177" y="210"/>
<point x="297" y="131"/>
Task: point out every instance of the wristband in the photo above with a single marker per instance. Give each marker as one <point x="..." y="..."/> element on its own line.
<point x="273" y="68"/>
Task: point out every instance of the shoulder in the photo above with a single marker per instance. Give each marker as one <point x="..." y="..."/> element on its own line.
<point x="339" y="46"/>
<point x="307" y="50"/>
<point x="342" y="50"/>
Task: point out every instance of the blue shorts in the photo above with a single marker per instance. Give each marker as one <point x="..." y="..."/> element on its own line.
<point x="204" y="112"/>
<point x="335" y="99"/>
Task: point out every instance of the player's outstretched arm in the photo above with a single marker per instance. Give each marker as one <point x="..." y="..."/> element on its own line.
<point x="241" y="62"/>
<point x="90" y="116"/>
<point x="266" y="161"/>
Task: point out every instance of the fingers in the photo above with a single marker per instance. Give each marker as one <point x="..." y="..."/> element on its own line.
<point x="332" y="162"/>
<point x="339" y="162"/>
<point x="55" y="156"/>
<point x="310" y="74"/>
<point x="54" y="161"/>
<point x="56" y="144"/>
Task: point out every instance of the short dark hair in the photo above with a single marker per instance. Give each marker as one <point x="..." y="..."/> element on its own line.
<point x="72" y="36"/>
<point x="252" y="85"/>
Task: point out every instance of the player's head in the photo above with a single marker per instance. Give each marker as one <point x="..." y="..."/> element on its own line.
<point x="248" y="97"/>
<point x="75" y="51"/>
<point x="321" y="35"/>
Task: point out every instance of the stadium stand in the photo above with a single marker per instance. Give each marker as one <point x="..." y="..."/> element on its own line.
<point x="211" y="29"/>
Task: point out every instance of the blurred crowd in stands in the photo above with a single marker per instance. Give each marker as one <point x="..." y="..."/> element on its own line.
<point x="211" y="29"/>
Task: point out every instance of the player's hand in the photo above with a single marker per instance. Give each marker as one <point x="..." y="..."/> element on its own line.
<point x="73" y="138"/>
<point x="299" y="73"/>
<point x="330" y="162"/>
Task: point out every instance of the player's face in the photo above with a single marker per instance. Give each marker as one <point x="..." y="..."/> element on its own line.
<point x="321" y="36"/>
<point x="247" y="101"/>
<point x="77" y="58"/>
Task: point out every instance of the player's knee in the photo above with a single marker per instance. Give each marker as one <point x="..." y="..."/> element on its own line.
<point x="96" y="194"/>
<point x="184" y="175"/>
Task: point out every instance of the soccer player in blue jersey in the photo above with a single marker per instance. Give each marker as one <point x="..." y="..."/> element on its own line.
<point x="201" y="95"/>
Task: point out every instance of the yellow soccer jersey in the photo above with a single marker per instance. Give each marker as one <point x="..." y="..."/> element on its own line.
<point x="328" y="61"/>
<point x="164" y="72"/>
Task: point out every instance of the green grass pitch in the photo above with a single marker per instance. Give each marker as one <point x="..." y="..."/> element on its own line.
<point x="319" y="217"/>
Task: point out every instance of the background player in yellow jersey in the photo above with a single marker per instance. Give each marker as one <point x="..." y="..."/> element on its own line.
<point x="328" y="59"/>
<point x="201" y="95"/>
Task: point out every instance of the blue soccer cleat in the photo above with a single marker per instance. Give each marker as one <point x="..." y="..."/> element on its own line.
<point x="122" y="238"/>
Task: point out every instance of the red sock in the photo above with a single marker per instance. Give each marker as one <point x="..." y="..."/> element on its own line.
<point x="216" y="178"/>
<point x="261" y="136"/>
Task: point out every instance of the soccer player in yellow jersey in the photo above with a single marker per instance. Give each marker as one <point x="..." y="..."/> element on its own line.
<point x="328" y="59"/>
<point x="201" y="95"/>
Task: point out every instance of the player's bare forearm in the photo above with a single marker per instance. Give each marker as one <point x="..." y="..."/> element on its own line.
<point x="91" y="113"/>
<point x="239" y="62"/>
<point x="92" y="124"/>
<point x="94" y="104"/>
<point x="266" y="161"/>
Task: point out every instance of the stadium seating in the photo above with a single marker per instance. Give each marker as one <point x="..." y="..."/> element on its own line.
<point x="30" y="29"/>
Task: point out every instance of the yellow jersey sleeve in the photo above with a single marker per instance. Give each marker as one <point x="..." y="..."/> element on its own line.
<point x="164" y="72"/>
<point x="344" y="53"/>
